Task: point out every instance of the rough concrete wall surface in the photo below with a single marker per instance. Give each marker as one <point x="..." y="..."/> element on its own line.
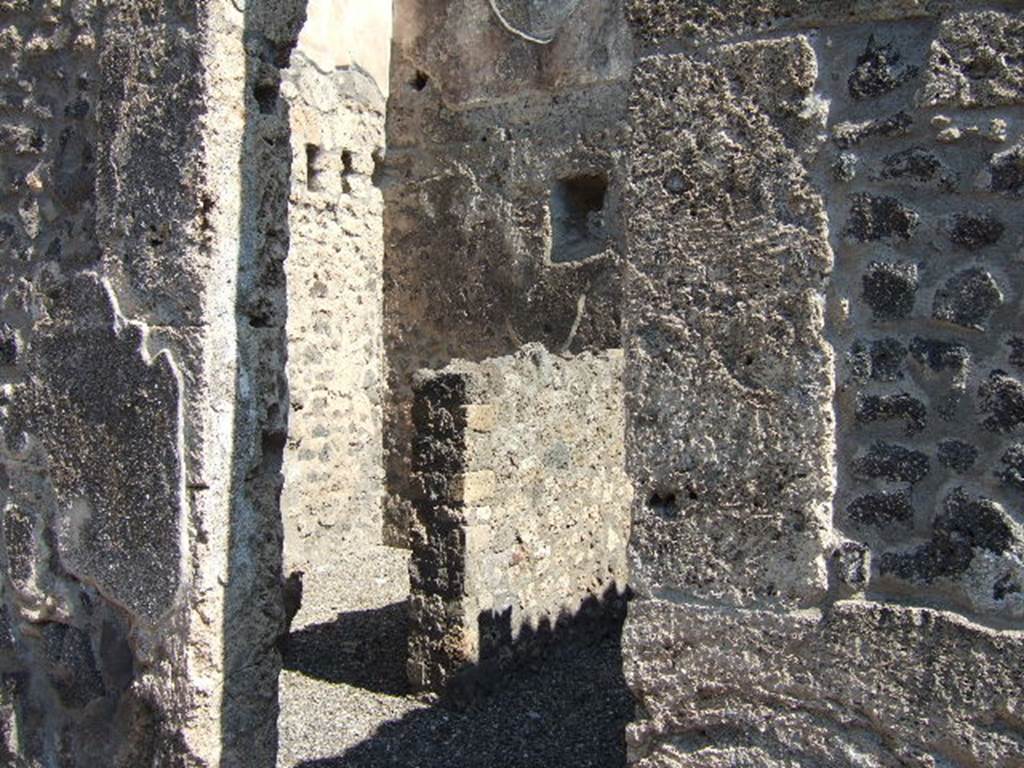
<point x="93" y="468"/>
<point x="821" y="319"/>
<point x="137" y="316"/>
<point x="523" y="515"/>
<point x="333" y="461"/>
<point x="502" y="221"/>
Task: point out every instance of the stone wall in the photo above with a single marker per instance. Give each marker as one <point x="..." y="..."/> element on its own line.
<point x="823" y="297"/>
<point x="333" y="460"/>
<point x="927" y="307"/>
<point x="144" y="399"/>
<point x="523" y="508"/>
<point x="502" y="222"/>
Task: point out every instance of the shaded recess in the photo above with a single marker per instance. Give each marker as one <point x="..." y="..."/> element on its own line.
<point x="577" y="209"/>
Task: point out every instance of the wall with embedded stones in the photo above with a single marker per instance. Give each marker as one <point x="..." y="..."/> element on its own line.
<point x="824" y="384"/>
<point x="522" y="514"/>
<point x="333" y="459"/>
<point x="801" y="219"/>
<point x="93" y="477"/>
<point x="502" y="221"/>
<point x="143" y="393"/>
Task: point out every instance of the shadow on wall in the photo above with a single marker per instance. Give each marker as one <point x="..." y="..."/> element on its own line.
<point x="566" y="704"/>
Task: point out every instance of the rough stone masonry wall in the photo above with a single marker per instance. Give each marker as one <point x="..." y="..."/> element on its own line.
<point x="92" y="472"/>
<point x="823" y="383"/>
<point x="502" y="221"/>
<point x="523" y="513"/>
<point x="143" y="340"/>
<point x="333" y="461"/>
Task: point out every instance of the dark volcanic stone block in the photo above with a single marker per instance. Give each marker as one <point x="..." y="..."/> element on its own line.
<point x="1016" y="345"/>
<point x="880" y="360"/>
<point x="940" y="355"/>
<point x="976" y="231"/>
<point x="965" y="524"/>
<point x="844" y="167"/>
<point x="968" y="298"/>
<point x="879" y="218"/>
<point x="879" y="70"/>
<point x="1014" y="461"/>
<point x="8" y="345"/>
<point x="851" y="563"/>
<point x="887" y="359"/>
<point x="891" y="462"/>
<point x="889" y="289"/>
<point x="1007" y="170"/>
<point x="957" y="455"/>
<point x="1002" y="398"/>
<point x="72" y="667"/>
<point x="900" y="406"/>
<point x="979" y="521"/>
<point x="915" y="164"/>
<point x="846" y="135"/>
<point x="881" y="509"/>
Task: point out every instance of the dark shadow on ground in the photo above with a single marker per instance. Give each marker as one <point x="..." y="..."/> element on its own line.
<point x="365" y="649"/>
<point x="567" y="708"/>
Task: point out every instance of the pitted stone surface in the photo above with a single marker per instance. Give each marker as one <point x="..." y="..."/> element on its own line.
<point x="975" y="232"/>
<point x="900" y="407"/>
<point x="879" y="360"/>
<point x="924" y="289"/>
<point x="1013" y="459"/>
<point x="977" y="60"/>
<point x="725" y="329"/>
<point x="761" y="700"/>
<point x="916" y="165"/>
<point x="968" y="298"/>
<point x="889" y="289"/>
<point x="879" y="218"/>
<point x="1006" y="172"/>
<point x="881" y="509"/>
<point x="105" y="420"/>
<point x="1001" y="399"/>
<point x="880" y="69"/>
<point x="891" y="462"/>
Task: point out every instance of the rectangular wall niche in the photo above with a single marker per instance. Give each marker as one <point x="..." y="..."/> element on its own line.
<point x="577" y="208"/>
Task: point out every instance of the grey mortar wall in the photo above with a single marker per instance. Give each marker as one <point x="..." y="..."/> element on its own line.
<point x="481" y="126"/>
<point x="824" y="263"/>
<point x="333" y="463"/>
<point x="926" y="308"/>
<point x="523" y="508"/>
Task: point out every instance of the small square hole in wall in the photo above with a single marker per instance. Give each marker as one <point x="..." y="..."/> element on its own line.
<point x="314" y="167"/>
<point x="577" y="208"/>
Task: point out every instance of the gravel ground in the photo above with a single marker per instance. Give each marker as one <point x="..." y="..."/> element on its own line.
<point x="344" y="701"/>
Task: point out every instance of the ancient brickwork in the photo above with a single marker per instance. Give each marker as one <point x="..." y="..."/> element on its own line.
<point x="500" y="152"/>
<point x="523" y="507"/>
<point x="823" y="298"/>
